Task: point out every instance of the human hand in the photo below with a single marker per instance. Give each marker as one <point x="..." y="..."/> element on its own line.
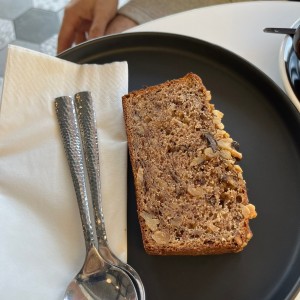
<point x="85" y="19"/>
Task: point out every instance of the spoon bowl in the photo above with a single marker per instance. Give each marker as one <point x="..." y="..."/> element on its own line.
<point x="99" y="281"/>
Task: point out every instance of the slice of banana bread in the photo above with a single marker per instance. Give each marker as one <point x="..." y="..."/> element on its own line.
<point x="191" y="196"/>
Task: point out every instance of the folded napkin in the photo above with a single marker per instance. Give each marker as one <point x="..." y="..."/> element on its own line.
<point x="42" y="245"/>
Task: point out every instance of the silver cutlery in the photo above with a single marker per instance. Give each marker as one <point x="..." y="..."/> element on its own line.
<point x="289" y="31"/>
<point x="97" y="279"/>
<point x="87" y="124"/>
<point x="293" y="32"/>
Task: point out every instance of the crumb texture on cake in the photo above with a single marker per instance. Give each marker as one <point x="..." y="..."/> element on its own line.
<point x="191" y="195"/>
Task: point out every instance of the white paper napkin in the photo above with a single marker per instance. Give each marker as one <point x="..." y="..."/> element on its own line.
<point x="41" y="240"/>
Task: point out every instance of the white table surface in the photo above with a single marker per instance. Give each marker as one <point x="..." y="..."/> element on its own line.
<point x="237" y="27"/>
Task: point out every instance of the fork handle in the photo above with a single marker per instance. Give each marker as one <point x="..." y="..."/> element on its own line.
<point x="88" y="129"/>
<point x="66" y="115"/>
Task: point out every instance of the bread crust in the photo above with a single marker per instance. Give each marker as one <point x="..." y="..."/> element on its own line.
<point x="177" y="145"/>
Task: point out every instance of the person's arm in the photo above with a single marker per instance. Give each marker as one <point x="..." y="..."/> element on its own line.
<point x="142" y="11"/>
<point x="86" y="19"/>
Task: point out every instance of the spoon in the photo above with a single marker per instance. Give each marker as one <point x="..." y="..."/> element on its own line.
<point x="293" y="32"/>
<point x="87" y="124"/>
<point x="97" y="280"/>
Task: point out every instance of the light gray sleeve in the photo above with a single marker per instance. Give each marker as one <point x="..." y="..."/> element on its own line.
<point x="142" y="11"/>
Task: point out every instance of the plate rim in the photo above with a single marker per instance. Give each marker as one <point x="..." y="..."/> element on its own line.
<point x="140" y="34"/>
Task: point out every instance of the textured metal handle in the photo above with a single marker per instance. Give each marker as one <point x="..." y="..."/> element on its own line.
<point x="88" y="128"/>
<point x="87" y="123"/>
<point x="66" y="115"/>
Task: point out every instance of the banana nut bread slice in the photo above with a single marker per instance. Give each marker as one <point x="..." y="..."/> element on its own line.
<point x="191" y="196"/>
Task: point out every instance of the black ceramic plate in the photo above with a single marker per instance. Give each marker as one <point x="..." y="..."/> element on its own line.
<point x="267" y="126"/>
